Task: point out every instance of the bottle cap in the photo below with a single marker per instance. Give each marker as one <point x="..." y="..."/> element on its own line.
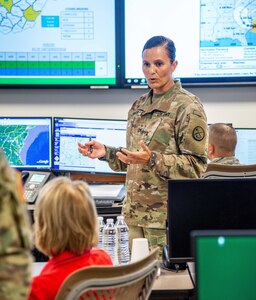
<point x="110" y="220"/>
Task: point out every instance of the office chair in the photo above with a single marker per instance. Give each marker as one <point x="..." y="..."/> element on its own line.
<point x="133" y="281"/>
<point x="229" y="171"/>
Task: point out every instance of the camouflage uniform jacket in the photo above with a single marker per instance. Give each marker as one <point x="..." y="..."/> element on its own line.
<point x="230" y="160"/>
<point x="15" y="237"/>
<point x="174" y="127"/>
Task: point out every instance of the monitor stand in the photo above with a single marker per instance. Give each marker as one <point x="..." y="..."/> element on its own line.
<point x="176" y="267"/>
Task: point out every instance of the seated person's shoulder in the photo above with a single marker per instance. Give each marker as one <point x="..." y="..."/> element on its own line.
<point x="101" y="257"/>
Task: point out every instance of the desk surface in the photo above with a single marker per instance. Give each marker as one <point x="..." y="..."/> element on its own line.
<point x="173" y="285"/>
<point x="174" y="280"/>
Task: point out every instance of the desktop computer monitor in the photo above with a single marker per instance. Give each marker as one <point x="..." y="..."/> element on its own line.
<point x="224" y="264"/>
<point x="200" y="204"/>
<point x="27" y="142"/>
<point x="246" y="145"/>
<point x="69" y="131"/>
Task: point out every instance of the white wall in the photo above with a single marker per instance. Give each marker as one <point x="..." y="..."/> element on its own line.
<point x="235" y="105"/>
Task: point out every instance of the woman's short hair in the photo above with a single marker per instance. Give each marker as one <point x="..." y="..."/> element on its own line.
<point x="65" y="217"/>
<point x="159" y="40"/>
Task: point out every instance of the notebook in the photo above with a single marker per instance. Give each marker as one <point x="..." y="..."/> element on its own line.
<point x="225" y="264"/>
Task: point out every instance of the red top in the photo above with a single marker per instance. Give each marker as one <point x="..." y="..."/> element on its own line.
<point x="46" y="285"/>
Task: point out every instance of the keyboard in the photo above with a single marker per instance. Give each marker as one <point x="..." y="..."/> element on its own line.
<point x="104" y="202"/>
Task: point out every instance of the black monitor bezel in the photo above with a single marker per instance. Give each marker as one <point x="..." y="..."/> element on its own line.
<point x="197" y="82"/>
<point x="171" y="228"/>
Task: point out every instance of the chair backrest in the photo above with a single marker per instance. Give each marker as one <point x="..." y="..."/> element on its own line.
<point x="133" y="281"/>
<point x="230" y="171"/>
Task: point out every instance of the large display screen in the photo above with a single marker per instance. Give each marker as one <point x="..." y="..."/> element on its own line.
<point x="215" y="40"/>
<point x="58" y="42"/>
<point x="27" y="142"/>
<point x="69" y="131"/>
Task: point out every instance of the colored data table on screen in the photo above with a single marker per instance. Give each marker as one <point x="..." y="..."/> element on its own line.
<point x="53" y="64"/>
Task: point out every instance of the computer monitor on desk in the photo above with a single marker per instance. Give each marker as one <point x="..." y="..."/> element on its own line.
<point x="69" y="131"/>
<point x="246" y="145"/>
<point x="27" y="142"/>
<point x="195" y="204"/>
<point x="224" y="264"/>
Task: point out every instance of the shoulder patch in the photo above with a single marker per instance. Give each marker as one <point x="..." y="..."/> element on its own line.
<point x="198" y="133"/>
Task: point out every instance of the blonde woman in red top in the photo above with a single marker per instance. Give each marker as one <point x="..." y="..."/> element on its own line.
<point x="66" y="230"/>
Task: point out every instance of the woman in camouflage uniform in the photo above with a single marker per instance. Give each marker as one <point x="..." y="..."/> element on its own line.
<point x="15" y="236"/>
<point x="166" y="138"/>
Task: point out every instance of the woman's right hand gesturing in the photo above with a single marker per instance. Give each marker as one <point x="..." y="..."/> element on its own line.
<point x="92" y="149"/>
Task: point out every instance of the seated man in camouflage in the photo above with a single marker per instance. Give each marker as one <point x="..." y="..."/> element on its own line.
<point x="15" y="236"/>
<point x="222" y="144"/>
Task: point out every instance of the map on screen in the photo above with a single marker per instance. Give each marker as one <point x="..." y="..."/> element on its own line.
<point x="26" y="143"/>
<point x="215" y="40"/>
<point x="57" y="42"/>
<point x="68" y="132"/>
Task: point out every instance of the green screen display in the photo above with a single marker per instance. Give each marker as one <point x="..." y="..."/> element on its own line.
<point x="226" y="267"/>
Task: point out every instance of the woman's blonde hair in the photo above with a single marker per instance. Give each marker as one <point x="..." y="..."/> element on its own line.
<point x="65" y="217"/>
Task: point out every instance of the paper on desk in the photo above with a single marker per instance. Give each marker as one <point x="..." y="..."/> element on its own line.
<point x="112" y="191"/>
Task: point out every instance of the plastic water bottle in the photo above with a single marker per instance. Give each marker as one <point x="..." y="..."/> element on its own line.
<point x="123" y="241"/>
<point x="110" y="240"/>
<point x="101" y="225"/>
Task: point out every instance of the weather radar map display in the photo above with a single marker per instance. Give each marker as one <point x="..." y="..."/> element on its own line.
<point x="220" y="36"/>
<point x="228" y="30"/>
<point x="26" y="142"/>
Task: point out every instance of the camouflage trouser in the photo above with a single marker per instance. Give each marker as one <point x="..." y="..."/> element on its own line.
<point x="15" y="276"/>
<point x="156" y="237"/>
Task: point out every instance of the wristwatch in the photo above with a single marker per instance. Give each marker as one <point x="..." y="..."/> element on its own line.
<point x="110" y="154"/>
<point x="103" y="158"/>
<point x="152" y="160"/>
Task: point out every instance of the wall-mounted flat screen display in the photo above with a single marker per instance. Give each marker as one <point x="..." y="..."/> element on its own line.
<point x="69" y="131"/>
<point x="27" y="142"/>
<point x="58" y="42"/>
<point x="215" y="40"/>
